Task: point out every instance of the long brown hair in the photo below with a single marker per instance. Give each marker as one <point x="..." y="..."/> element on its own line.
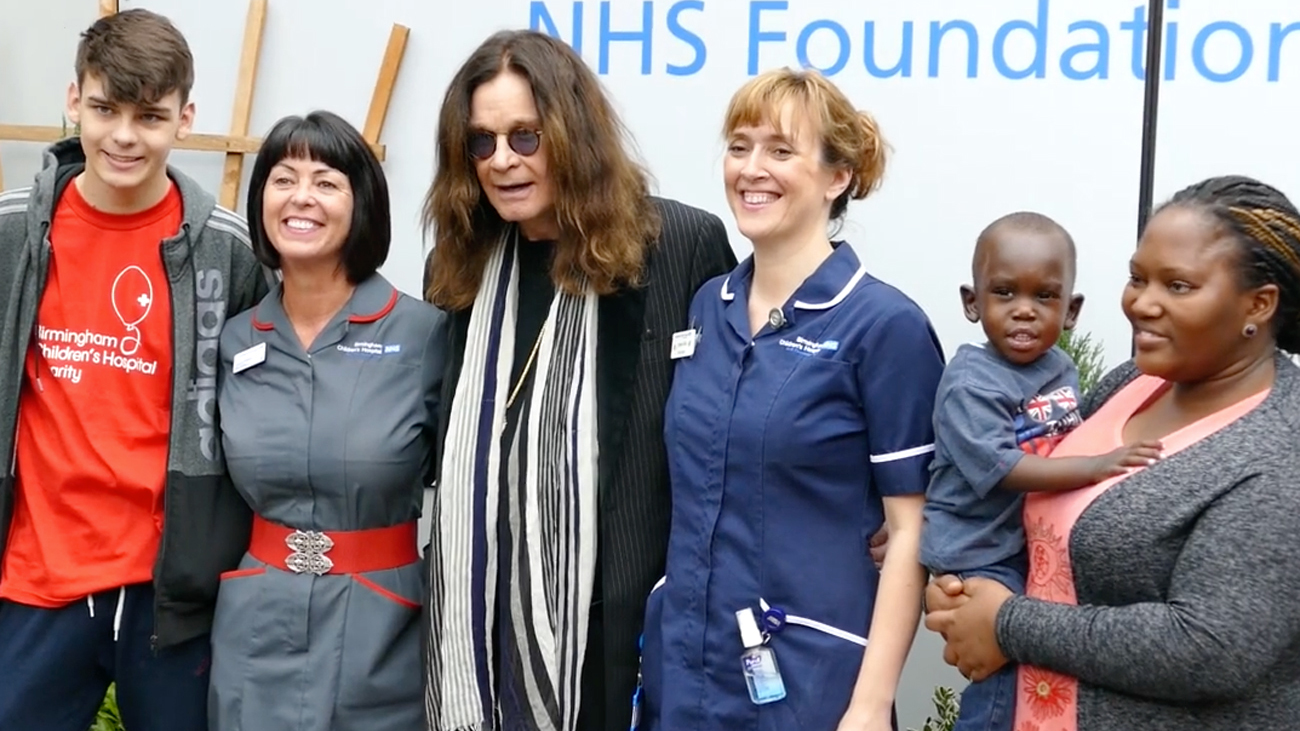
<point x="606" y="218"/>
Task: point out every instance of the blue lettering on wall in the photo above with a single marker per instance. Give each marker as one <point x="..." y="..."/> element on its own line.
<point x="1171" y="48"/>
<point x="1198" y="51"/>
<point x="1101" y="51"/>
<point x="1277" y="34"/>
<point x="937" y="33"/>
<point x="674" y="38"/>
<point x="643" y="36"/>
<point x="1139" y="27"/>
<point x="756" y="36"/>
<point x="539" y="18"/>
<point x="841" y="35"/>
<point x="695" y="42"/>
<point x="1038" y="68"/>
<point x="902" y="68"/>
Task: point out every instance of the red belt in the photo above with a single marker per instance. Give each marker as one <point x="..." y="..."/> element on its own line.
<point x="333" y="552"/>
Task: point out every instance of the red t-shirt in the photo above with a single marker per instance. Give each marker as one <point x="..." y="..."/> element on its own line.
<point x="95" y="408"/>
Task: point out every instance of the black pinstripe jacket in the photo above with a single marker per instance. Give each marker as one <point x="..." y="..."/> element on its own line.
<point x="634" y="373"/>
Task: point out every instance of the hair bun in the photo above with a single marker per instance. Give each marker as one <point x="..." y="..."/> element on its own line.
<point x="869" y="168"/>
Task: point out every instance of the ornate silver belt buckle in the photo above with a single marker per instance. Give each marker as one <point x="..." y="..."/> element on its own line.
<point x="309" y="549"/>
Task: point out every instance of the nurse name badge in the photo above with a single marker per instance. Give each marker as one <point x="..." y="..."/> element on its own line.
<point x="246" y="359"/>
<point x="684" y="344"/>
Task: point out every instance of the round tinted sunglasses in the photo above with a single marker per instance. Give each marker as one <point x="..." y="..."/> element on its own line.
<point x="483" y="145"/>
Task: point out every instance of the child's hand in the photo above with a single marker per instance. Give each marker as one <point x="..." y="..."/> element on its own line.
<point x="1142" y="454"/>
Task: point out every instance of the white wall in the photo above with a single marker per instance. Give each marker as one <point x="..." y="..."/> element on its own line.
<point x="967" y="149"/>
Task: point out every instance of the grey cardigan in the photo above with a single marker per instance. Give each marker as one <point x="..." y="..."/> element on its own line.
<point x="1187" y="576"/>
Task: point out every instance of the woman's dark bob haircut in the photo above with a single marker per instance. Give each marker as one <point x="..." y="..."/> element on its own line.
<point x="327" y="138"/>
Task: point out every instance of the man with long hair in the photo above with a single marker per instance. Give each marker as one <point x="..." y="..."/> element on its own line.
<point x="567" y="286"/>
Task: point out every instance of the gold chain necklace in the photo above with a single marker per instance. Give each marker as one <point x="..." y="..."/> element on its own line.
<point x="523" y="375"/>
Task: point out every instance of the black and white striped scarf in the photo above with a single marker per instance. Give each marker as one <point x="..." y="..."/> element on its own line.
<point x="536" y="500"/>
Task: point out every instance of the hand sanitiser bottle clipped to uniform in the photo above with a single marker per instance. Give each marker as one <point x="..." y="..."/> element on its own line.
<point x="758" y="662"/>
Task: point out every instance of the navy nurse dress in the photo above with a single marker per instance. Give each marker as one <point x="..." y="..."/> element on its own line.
<point x="780" y="449"/>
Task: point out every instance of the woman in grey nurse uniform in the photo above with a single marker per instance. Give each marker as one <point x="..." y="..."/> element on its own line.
<point x="328" y="401"/>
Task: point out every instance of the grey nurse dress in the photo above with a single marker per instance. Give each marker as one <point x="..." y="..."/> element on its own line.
<point x="334" y="437"/>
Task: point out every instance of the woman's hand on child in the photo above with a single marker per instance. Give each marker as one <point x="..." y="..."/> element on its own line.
<point x="1128" y="457"/>
<point x="970" y="630"/>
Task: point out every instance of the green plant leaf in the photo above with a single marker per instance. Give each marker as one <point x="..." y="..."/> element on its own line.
<point x="946" y="706"/>
<point x="108" y="718"/>
<point x="1089" y="357"/>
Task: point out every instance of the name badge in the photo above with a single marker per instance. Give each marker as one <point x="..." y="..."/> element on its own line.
<point x="246" y="359"/>
<point x="684" y="344"/>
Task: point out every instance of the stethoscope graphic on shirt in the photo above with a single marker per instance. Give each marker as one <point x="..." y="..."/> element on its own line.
<point x="132" y="297"/>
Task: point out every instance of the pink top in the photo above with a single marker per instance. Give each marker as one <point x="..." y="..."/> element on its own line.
<point x="1045" y="700"/>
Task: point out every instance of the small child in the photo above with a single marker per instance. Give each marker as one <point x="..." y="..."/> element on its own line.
<point x="1000" y="409"/>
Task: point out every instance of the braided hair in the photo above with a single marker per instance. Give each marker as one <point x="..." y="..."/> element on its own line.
<point x="1266" y="225"/>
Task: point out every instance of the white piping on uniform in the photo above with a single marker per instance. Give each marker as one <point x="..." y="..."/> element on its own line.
<point x="903" y="454"/>
<point x="117" y="615"/>
<point x="848" y="288"/>
<point x="90" y="602"/>
<point x="819" y="626"/>
<point x="826" y="628"/>
<point x="659" y="583"/>
<point x="727" y="295"/>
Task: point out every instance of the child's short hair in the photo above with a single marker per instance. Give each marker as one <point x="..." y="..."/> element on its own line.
<point x="1024" y="221"/>
<point x="138" y="55"/>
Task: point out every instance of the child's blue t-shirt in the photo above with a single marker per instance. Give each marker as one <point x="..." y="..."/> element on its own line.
<point x="988" y="414"/>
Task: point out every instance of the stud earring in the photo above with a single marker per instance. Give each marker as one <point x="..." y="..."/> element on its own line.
<point x="1249" y="330"/>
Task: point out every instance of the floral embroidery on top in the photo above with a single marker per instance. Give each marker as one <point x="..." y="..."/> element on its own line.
<point x="1048" y="701"/>
<point x="1033" y="726"/>
<point x="1049" y="560"/>
<point x="1049" y="693"/>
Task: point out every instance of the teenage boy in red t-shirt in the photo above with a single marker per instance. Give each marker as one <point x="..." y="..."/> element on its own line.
<point x="116" y="274"/>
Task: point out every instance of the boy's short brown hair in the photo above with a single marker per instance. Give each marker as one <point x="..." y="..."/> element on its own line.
<point x="138" y="55"/>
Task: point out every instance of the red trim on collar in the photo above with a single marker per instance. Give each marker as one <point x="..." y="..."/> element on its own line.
<point x="392" y="302"/>
<point x="263" y="326"/>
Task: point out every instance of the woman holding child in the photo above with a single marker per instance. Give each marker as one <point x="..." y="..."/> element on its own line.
<point x="799" y="369"/>
<point x="1164" y="597"/>
<point x="1002" y="405"/>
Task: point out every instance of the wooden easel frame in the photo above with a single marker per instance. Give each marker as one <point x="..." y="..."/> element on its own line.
<point x="238" y="143"/>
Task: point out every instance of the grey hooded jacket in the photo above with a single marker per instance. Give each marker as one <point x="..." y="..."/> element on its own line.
<point x="212" y="274"/>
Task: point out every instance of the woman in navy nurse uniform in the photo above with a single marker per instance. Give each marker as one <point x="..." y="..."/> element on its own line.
<point x="799" y="422"/>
